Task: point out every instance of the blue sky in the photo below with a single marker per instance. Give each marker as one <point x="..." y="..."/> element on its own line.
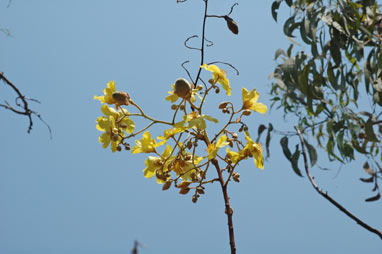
<point x="68" y="195"/>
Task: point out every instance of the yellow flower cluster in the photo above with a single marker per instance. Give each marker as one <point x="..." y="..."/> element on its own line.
<point x="114" y="123"/>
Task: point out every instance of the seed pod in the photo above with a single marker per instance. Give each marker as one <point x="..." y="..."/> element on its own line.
<point x="182" y="88"/>
<point x="121" y="98"/>
<point x="232" y="25"/>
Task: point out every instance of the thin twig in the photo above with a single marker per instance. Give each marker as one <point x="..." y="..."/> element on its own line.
<point x="188" y="73"/>
<point x="23" y="105"/>
<point x="189" y="38"/>
<point x="329" y="198"/>
<point x="230" y="65"/>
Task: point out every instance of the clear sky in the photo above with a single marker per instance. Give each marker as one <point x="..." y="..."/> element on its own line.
<point x="69" y="196"/>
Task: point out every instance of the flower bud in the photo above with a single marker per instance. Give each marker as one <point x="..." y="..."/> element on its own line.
<point x="174" y="107"/>
<point x="182" y="88"/>
<point x="199" y="87"/>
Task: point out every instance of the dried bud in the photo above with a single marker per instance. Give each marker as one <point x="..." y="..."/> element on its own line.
<point x="174" y="107"/>
<point x="115" y="137"/>
<point x="119" y="148"/>
<point x="199" y="87"/>
<point x="194" y="199"/>
<point x="184" y="191"/>
<point x="121" y="98"/>
<point x="232" y="25"/>
<point x="247" y="112"/>
<point x="234" y="135"/>
<point x="211" y="81"/>
<point x="166" y="185"/>
<point x="223" y="105"/>
<point x="127" y="146"/>
<point x="181" y="107"/>
<point x="182" y="88"/>
<point x="230" y="143"/>
<point x="236" y="177"/>
<point x="217" y="90"/>
<point x="189" y="144"/>
<point x="245" y="128"/>
<point x="183" y="185"/>
<point x="200" y="190"/>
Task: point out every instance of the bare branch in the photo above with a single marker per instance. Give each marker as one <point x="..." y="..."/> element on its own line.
<point x="329" y="198"/>
<point x="22" y="102"/>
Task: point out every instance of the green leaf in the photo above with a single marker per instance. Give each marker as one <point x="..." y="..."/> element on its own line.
<point x="275" y="7"/>
<point x="294" y="161"/>
<point x="369" y="131"/>
<point x="268" y="139"/>
<point x="284" y="146"/>
<point x="375" y="198"/>
<point x="312" y="153"/>
<point x="289" y="26"/>
<point x="280" y="52"/>
<point x="335" y="53"/>
<point x="260" y="131"/>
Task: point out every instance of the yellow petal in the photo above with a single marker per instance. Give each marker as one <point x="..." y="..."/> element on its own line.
<point x="259" y="107"/>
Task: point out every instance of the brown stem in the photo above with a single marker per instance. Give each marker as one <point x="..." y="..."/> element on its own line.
<point x="329" y="198"/>
<point x="228" y="209"/>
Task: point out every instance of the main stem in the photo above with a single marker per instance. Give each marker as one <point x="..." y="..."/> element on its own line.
<point x="228" y="209"/>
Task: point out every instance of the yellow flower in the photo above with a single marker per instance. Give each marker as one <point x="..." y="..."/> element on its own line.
<point x="220" y="76"/>
<point x="214" y="148"/>
<point x="114" y="124"/>
<point x="107" y="124"/>
<point x="108" y="91"/>
<point x="195" y="120"/>
<point x="154" y="163"/>
<point x="250" y="101"/>
<point x="253" y="149"/>
<point x="184" y="168"/>
<point x="146" y="144"/>
<point x="170" y="133"/>
<point x="234" y="157"/>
